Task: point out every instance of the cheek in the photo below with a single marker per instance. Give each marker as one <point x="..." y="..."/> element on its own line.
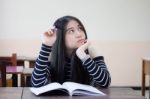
<point x="69" y="42"/>
<point x="84" y="36"/>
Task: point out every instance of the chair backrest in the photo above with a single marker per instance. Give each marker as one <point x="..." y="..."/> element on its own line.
<point x="4" y="61"/>
<point x="10" y="59"/>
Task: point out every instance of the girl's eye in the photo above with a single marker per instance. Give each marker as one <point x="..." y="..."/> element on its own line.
<point x="71" y="31"/>
<point x="80" y="29"/>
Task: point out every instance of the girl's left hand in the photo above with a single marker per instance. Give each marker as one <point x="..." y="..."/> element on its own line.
<point x="80" y="52"/>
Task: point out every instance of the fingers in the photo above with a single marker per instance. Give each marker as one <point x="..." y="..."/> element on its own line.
<point x="51" y="31"/>
<point x="85" y="45"/>
<point x="54" y="29"/>
<point x="81" y="50"/>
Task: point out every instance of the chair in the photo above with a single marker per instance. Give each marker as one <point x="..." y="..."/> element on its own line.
<point x="26" y="76"/>
<point x="145" y="71"/>
<point x="3" y="74"/>
<point x="10" y="64"/>
<point x="28" y="63"/>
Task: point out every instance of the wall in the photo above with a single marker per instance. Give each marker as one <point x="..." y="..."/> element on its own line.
<point x="118" y="28"/>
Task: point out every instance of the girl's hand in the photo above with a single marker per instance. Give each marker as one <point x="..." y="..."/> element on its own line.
<point x="49" y="37"/>
<point x="81" y="50"/>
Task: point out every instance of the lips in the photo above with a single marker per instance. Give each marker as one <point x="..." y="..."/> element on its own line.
<point x="81" y="41"/>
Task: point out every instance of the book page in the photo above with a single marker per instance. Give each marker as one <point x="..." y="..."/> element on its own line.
<point x="81" y="89"/>
<point x="46" y="88"/>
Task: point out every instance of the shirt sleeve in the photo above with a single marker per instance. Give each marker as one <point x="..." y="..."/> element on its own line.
<point x="97" y="69"/>
<point x="41" y="73"/>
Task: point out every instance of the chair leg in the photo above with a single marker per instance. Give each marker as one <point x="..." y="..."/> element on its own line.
<point x="22" y="80"/>
<point x="149" y="86"/>
<point x="15" y="80"/>
<point x="143" y="86"/>
<point x="28" y="81"/>
<point x="4" y="81"/>
<point x="3" y="75"/>
<point x="143" y="79"/>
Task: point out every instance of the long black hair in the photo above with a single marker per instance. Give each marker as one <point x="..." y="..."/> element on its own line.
<point x="58" y="56"/>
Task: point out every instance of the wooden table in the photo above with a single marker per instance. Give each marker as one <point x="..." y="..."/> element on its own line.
<point x="112" y="93"/>
<point x="11" y="92"/>
<point x="25" y="93"/>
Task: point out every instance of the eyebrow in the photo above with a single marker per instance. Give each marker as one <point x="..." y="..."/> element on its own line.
<point x="72" y="27"/>
<point x="69" y="28"/>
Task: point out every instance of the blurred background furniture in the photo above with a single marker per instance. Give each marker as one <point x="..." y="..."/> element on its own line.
<point x="22" y="60"/>
<point x="26" y="76"/>
<point x="2" y="74"/>
<point x="28" y="63"/>
<point x="145" y="72"/>
<point x="10" y="64"/>
<point x="13" y="66"/>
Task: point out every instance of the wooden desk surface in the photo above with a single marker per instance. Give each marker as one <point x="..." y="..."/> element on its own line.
<point x="25" y="93"/>
<point x="11" y="92"/>
<point x="112" y="93"/>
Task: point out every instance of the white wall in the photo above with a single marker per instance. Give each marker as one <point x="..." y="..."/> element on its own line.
<point x="119" y="29"/>
<point x="104" y="19"/>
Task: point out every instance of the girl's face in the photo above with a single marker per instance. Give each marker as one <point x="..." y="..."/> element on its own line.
<point x="75" y="36"/>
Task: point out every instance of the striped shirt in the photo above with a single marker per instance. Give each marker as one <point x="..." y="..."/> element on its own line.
<point x="96" y="68"/>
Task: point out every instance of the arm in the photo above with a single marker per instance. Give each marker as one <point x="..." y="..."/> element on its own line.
<point x="97" y="70"/>
<point x="41" y="73"/>
<point x="95" y="65"/>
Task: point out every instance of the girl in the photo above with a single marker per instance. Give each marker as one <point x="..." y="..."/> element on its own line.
<point x="64" y="56"/>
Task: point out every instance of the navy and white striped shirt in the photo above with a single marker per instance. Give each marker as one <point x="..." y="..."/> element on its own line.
<point x="96" y="68"/>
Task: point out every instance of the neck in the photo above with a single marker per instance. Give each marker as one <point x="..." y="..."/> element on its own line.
<point x="69" y="52"/>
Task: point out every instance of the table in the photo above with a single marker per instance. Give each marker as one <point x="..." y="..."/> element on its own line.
<point x="25" y="93"/>
<point x="11" y="92"/>
<point x="112" y="93"/>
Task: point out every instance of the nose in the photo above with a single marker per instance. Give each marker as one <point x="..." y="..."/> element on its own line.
<point x="78" y="34"/>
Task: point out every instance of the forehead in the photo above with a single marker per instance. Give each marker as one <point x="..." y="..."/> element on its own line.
<point x="72" y="23"/>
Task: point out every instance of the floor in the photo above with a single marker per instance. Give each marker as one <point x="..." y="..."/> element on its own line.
<point x="138" y="92"/>
<point x="147" y="94"/>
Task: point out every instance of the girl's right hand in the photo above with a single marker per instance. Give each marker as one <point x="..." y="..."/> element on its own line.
<point x="49" y="37"/>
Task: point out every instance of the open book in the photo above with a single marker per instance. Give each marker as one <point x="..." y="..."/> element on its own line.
<point x="70" y="88"/>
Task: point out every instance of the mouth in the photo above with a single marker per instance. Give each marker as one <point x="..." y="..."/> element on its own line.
<point x="81" y="41"/>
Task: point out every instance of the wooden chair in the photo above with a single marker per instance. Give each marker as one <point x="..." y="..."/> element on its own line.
<point x="26" y="76"/>
<point x="3" y="74"/>
<point x="28" y="63"/>
<point x="10" y="63"/>
<point x="145" y="71"/>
